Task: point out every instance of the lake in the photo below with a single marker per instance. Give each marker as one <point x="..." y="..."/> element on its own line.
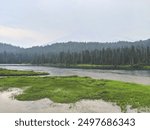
<point x="46" y="105"/>
<point x="135" y="76"/>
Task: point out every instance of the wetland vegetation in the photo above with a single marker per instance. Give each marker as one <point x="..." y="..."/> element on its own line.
<point x="6" y="72"/>
<point x="70" y="89"/>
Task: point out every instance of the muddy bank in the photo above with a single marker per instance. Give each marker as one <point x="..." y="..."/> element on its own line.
<point x="9" y="104"/>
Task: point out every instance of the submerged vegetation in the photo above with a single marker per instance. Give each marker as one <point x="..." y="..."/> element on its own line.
<point x="5" y="72"/>
<point x="73" y="88"/>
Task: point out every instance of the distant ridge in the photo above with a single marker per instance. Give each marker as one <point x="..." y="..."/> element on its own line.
<point x="9" y="48"/>
<point x="72" y="46"/>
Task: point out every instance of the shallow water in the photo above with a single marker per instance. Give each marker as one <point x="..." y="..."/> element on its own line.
<point x="46" y="105"/>
<point x="9" y="104"/>
<point x="138" y="76"/>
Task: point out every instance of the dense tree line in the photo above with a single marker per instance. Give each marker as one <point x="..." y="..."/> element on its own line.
<point x="72" y="47"/>
<point x="105" y="56"/>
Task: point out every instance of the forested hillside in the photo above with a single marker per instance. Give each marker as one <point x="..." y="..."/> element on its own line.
<point x="119" y="53"/>
<point x="9" y="48"/>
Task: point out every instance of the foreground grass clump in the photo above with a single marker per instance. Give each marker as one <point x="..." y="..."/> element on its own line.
<point x="5" y="72"/>
<point x="72" y="89"/>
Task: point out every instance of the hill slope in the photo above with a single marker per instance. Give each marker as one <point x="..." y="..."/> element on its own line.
<point x="72" y="47"/>
<point x="9" y="48"/>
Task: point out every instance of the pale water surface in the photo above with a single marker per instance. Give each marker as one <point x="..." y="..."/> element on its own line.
<point x="9" y="104"/>
<point x="135" y="76"/>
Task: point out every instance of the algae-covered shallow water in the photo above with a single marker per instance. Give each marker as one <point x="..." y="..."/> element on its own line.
<point x="73" y="89"/>
<point x="10" y="105"/>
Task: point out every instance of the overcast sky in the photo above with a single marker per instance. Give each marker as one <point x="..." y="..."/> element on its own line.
<point x="39" y="22"/>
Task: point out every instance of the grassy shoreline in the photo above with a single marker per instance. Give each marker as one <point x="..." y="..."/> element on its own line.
<point x="104" y="67"/>
<point x="70" y="89"/>
<point x="6" y="72"/>
<point x="94" y="66"/>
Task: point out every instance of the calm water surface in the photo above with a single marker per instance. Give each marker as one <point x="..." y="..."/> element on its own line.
<point x="45" y="105"/>
<point x="138" y="76"/>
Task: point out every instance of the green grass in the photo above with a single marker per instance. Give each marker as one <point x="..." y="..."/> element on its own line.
<point x="147" y="67"/>
<point x="5" y="72"/>
<point x="72" y="89"/>
<point x="92" y="65"/>
<point x="108" y="67"/>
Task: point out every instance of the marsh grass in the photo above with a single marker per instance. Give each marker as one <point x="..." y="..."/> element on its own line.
<point x="106" y="67"/>
<point x="73" y="88"/>
<point x="5" y="72"/>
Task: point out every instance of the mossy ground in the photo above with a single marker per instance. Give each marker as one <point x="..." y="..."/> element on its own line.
<point x="73" y="88"/>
